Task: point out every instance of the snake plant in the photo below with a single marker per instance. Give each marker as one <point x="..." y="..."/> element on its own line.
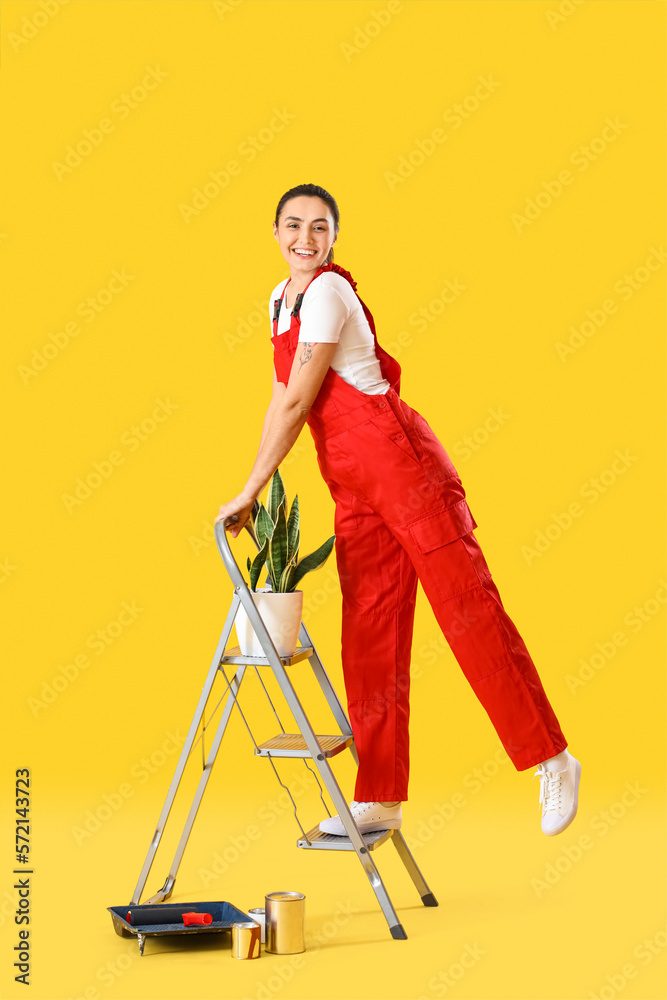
<point x="278" y="537"/>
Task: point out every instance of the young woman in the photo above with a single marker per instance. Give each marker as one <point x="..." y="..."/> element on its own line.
<point x="400" y="515"/>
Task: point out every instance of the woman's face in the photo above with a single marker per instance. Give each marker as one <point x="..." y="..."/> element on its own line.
<point x="305" y="232"/>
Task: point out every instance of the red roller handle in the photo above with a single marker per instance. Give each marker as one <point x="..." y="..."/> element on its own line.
<point x="197" y="918"/>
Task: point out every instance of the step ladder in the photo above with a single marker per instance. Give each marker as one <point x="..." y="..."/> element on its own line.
<point x="305" y="744"/>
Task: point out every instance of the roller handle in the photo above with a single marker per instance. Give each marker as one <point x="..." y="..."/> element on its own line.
<point x="142" y="916"/>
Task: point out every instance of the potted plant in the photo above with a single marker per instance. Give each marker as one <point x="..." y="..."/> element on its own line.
<point x="279" y="602"/>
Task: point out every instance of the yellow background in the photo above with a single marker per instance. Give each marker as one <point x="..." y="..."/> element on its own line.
<point x="359" y="89"/>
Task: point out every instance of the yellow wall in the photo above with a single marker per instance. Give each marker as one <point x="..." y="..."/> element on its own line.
<point x="512" y="151"/>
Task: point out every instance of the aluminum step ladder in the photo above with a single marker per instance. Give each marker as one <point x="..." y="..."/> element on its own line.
<point x="306" y="745"/>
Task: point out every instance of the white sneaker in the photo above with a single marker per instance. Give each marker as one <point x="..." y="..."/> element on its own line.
<point x="559" y="794"/>
<point x="368" y="816"/>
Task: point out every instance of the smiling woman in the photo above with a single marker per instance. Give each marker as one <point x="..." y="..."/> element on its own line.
<point x="397" y="494"/>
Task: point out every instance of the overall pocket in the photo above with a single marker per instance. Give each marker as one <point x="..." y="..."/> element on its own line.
<point x="392" y="436"/>
<point x="443" y="556"/>
<point x="443" y="526"/>
<point x="434" y="456"/>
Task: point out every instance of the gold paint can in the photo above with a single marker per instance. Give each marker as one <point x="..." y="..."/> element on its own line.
<point x="285" y="923"/>
<point x="258" y="914"/>
<point x="246" y="940"/>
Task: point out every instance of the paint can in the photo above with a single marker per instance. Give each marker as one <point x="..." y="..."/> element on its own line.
<point x="258" y="914"/>
<point x="246" y="940"/>
<point x="285" y="923"/>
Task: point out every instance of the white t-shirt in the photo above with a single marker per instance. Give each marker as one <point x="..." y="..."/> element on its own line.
<point x="331" y="313"/>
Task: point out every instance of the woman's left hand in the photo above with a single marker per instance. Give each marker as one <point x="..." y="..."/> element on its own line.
<point x="238" y="511"/>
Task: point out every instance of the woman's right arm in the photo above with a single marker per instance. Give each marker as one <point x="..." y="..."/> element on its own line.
<point x="286" y="414"/>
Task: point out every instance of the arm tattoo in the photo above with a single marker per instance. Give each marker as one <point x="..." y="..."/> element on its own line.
<point x="306" y="354"/>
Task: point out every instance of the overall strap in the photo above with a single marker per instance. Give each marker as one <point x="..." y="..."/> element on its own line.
<point x="389" y="366"/>
<point x="297" y="303"/>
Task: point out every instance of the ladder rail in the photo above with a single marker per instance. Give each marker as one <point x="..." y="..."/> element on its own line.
<point x="282" y="728"/>
<point x="405" y="854"/>
<point x="185" y="752"/>
<point x="166" y="890"/>
<point x="336" y="794"/>
<point x="254" y="743"/>
<point x="328" y="689"/>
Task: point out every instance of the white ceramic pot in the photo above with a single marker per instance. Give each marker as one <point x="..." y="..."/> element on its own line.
<point x="281" y="613"/>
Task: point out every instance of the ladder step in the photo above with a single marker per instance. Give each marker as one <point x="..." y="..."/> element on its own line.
<point x="234" y="655"/>
<point x="330" y="842"/>
<point x="294" y="745"/>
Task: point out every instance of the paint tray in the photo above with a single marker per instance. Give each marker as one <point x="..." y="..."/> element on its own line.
<point x="224" y="915"/>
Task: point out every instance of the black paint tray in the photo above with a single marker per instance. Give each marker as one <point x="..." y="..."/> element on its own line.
<point x="224" y="915"/>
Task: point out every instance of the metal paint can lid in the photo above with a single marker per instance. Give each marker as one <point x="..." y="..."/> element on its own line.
<point x="285" y="896"/>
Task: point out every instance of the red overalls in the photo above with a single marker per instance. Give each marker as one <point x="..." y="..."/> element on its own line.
<point x="400" y="515"/>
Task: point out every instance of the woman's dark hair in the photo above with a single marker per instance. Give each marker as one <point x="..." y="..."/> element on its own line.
<point x="313" y="191"/>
